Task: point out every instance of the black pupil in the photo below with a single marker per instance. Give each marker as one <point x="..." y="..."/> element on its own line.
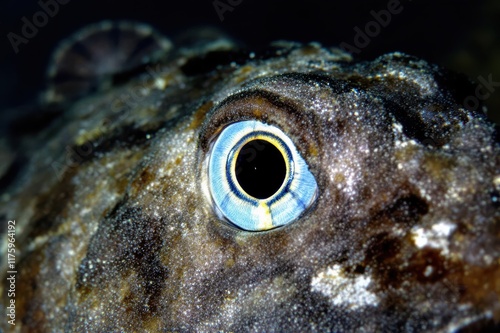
<point x="260" y="169"/>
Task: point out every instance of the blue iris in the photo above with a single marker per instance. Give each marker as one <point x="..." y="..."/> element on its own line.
<point x="257" y="178"/>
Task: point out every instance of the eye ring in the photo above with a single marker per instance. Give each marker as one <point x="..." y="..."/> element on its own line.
<point x="232" y="170"/>
<point x="232" y="201"/>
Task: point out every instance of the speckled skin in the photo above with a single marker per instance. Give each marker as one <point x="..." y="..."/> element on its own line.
<point x="116" y="232"/>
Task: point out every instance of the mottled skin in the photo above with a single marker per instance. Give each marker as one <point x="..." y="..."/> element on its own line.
<point x="116" y="232"/>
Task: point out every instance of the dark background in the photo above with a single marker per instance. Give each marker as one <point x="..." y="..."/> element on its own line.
<point x="458" y="34"/>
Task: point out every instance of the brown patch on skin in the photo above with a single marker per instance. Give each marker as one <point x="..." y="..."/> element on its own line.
<point x="407" y="210"/>
<point x="153" y="324"/>
<point x="407" y="153"/>
<point x="339" y="178"/>
<point x="393" y="263"/>
<point x="200" y="115"/>
<point x="120" y="174"/>
<point x="340" y="125"/>
<point x="257" y="113"/>
<point x="309" y="50"/>
<point x="86" y="292"/>
<point x="246" y="69"/>
<point x="394" y="259"/>
<point x="465" y="283"/>
<point x="313" y="150"/>
<point x="51" y="207"/>
<point x="430" y="261"/>
<point x="229" y="263"/>
<point x="166" y="256"/>
<point x="122" y="183"/>
<point x="145" y="177"/>
<point x="30" y="311"/>
<point x="383" y="254"/>
<point x="243" y="74"/>
<point x="141" y="181"/>
<point x="437" y="166"/>
<point x="481" y="285"/>
<point x="393" y="83"/>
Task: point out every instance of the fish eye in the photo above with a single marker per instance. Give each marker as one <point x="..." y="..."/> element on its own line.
<point x="257" y="178"/>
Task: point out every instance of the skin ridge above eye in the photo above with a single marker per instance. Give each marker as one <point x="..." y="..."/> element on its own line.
<point x="265" y="106"/>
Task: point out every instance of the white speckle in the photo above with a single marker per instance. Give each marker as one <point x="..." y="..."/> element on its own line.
<point x="436" y="237"/>
<point x="397" y="127"/>
<point x="110" y="165"/>
<point x="444" y="228"/>
<point x="496" y="181"/>
<point x="85" y="211"/>
<point x="464" y="321"/>
<point x="160" y="83"/>
<point x="420" y="237"/>
<point x="412" y="143"/>
<point x="428" y="271"/>
<point x="351" y="292"/>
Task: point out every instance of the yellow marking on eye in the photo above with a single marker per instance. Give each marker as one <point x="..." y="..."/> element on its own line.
<point x="265" y="218"/>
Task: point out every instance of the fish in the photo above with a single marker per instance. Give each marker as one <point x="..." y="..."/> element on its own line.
<point x="195" y="185"/>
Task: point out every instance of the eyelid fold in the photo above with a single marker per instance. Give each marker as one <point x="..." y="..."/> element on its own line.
<point x="266" y="107"/>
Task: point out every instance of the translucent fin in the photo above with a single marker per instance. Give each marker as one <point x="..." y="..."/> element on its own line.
<point x="204" y="39"/>
<point x="88" y="60"/>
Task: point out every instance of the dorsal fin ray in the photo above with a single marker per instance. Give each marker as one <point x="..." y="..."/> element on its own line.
<point x="88" y="60"/>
